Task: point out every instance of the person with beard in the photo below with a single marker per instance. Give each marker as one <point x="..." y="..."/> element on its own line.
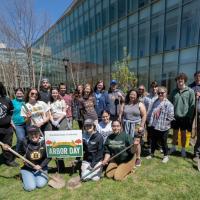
<point x="45" y="94"/>
<point x="68" y="101"/>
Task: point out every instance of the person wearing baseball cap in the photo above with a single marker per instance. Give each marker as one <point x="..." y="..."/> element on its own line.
<point x="93" y="151"/>
<point x="35" y="151"/>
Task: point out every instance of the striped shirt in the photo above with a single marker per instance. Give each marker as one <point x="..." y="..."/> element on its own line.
<point x="161" y="115"/>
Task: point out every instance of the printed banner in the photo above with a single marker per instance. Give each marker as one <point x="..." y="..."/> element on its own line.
<point x="64" y="144"/>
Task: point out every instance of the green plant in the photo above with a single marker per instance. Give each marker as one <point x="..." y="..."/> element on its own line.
<point x="125" y="78"/>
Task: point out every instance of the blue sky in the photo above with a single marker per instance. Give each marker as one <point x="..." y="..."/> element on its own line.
<point x="53" y="8"/>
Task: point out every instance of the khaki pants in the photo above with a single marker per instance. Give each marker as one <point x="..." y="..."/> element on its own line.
<point x="119" y="171"/>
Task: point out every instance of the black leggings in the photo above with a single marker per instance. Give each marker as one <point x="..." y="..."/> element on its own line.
<point x="162" y="136"/>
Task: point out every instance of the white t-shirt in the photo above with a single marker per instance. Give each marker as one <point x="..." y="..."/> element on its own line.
<point x="57" y="108"/>
<point x="104" y="129"/>
<point x="38" y="111"/>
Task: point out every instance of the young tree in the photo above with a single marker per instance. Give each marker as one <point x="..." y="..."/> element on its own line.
<point x="125" y="78"/>
<point x="20" y="27"/>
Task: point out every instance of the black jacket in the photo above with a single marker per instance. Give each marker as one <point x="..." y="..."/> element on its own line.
<point x="6" y="111"/>
<point x="93" y="148"/>
<point x="36" y="153"/>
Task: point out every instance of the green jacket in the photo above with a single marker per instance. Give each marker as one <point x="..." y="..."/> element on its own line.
<point x="184" y="102"/>
<point x="116" y="143"/>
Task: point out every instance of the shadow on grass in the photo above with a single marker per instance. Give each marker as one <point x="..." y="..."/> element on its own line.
<point x="17" y="177"/>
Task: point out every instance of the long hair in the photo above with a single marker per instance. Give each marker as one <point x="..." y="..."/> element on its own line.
<point x="51" y="98"/>
<point x="95" y="87"/>
<point x="127" y="99"/>
<point x="2" y="90"/>
<point x="91" y="90"/>
<point x="28" y="93"/>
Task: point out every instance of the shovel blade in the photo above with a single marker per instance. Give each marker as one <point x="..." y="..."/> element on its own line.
<point x="57" y="182"/>
<point x="74" y="183"/>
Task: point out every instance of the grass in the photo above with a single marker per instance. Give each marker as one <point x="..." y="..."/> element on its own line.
<point x="178" y="179"/>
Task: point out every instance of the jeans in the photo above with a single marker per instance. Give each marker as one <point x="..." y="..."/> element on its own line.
<point x="33" y="179"/>
<point x="69" y="123"/>
<point x="20" y="133"/>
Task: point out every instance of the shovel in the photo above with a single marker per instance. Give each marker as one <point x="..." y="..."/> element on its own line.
<point x="56" y="181"/>
<point x="76" y="181"/>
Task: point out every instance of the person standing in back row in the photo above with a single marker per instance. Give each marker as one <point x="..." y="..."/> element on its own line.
<point x="116" y="101"/>
<point x="196" y="87"/>
<point x="183" y="99"/>
<point x="68" y="101"/>
<point x="45" y="94"/>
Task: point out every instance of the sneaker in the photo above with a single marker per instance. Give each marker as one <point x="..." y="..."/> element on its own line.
<point x="183" y="153"/>
<point x="165" y="159"/>
<point x="198" y="164"/>
<point x="172" y="150"/>
<point x="138" y="162"/>
<point x="195" y="159"/>
<point x="12" y="164"/>
<point x="149" y="157"/>
<point x="161" y="151"/>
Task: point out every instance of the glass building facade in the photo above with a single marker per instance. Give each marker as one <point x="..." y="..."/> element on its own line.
<point x="161" y="36"/>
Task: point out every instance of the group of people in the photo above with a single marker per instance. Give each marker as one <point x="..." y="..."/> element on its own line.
<point x="111" y="121"/>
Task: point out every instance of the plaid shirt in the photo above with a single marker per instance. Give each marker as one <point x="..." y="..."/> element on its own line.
<point x="161" y="115"/>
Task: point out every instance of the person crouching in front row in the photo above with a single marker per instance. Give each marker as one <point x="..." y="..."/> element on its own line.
<point x="93" y="152"/>
<point x="35" y="151"/>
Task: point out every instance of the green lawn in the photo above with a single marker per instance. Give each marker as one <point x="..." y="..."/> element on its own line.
<point x="178" y="179"/>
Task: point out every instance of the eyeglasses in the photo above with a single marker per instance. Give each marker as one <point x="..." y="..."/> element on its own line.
<point x="161" y="93"/>
<point x="34" y="93"/>
<point x="141" y="89"/>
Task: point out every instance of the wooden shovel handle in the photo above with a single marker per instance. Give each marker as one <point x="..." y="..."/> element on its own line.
<point x="27" y="161"/>
<point x="116" y="155"/>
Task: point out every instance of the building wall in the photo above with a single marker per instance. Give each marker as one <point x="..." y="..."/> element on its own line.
<point x="161" y="36"/>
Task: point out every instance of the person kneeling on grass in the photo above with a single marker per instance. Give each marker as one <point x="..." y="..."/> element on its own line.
<point x="93" y="151"/>
<point x="123" y="164"/>
<point x="160" y="116"/>
<point x="35" y="151"/>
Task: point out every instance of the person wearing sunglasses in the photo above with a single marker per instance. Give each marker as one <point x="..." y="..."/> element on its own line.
<point x="142" y="93"/>
<point x="36" y="112"/>
<point x="160" y="116"/>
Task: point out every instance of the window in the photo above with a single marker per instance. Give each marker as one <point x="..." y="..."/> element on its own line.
<point x="92" y="21"/>
<point x="122" y="43"/>
<point x="143" y="39"/>
<point x="99" y="48"/>
<point x="157" y="34"/>
<point x="133" y="41"/>
<point x="93" y="50"/>
<point x="113" y="10"/>
<point x="98" y="16"/>
<point x="171" y="34"/>
<point x="156" y="68"/>
<point x="158" y="7"/>
<point x="190" y="24"/>
<point x="121" y="8"/>
<point x="113" y="43"/>
<point x="143" y="71"/>
<point x="105" y="13"/>
<point x="132" y="5"/>
<point x="133" y="19"/>
<point x="86" y="24"/>
<point x="142" y="3"/>
<point x="188" y="55"/>
<point x="172" y="3"/>
<point x="106" y="47"/>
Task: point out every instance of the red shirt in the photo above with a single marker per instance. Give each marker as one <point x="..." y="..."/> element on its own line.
<point x="68" y="100"/>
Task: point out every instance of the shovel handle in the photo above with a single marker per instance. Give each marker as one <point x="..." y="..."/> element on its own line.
<point x="27" y="161"/>
<point x="112" y="158"/>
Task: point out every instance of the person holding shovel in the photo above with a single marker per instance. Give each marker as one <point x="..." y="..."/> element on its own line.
<point x="93" y="151"/>
<point x="33" y="150"/>
<point x="123" y="164"/>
